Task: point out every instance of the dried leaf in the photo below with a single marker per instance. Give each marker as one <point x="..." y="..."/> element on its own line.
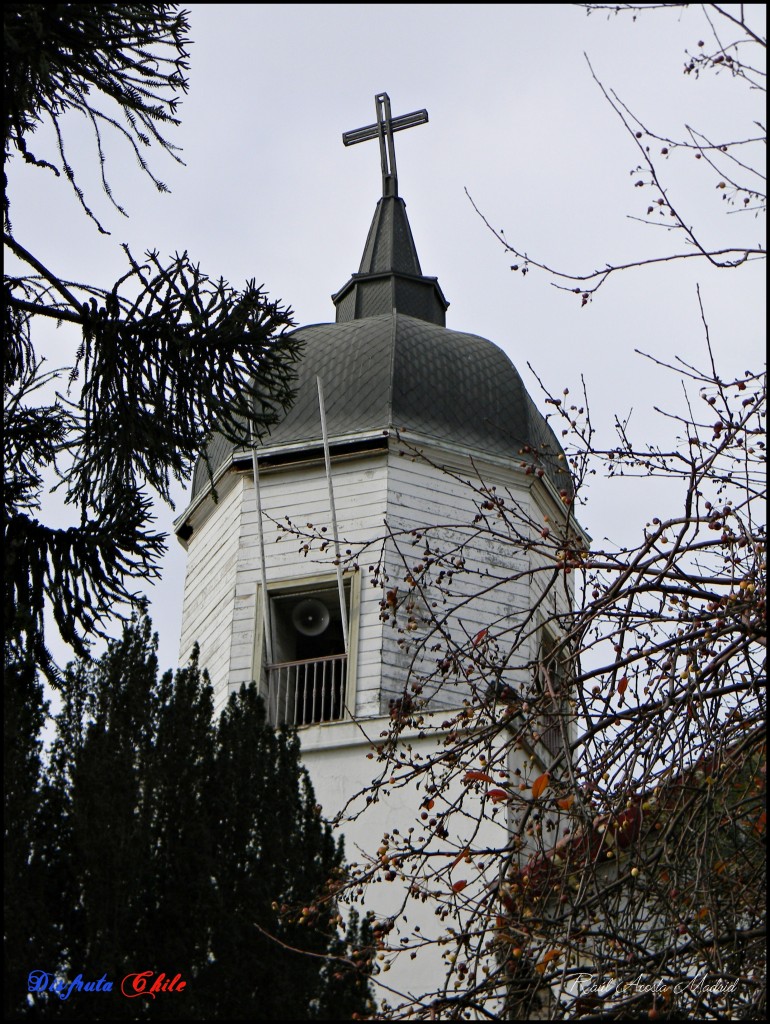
<point x="496" y="795"/>
<point x="623" y="684"/>
<point x="540" y="785"/>
<point x="566" y="802"/>
<point x="552" y="954"/>
<point x="459" y="886"/>
<point x="475" y="776"/>
<point x="460" y="856"/>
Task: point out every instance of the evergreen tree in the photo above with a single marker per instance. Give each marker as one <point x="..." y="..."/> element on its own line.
<point x="165" y="354"/>
<point x="261" y="783"/>
<point x="346" y="992"/>
<point x="171" y="843"/>
<point x="24" y="909"/>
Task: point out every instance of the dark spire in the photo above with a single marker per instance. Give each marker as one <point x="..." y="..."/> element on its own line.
<point x="389" y="244"/>
<point x="389" y="278"/>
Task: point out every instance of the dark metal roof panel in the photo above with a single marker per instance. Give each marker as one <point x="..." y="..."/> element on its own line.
<point x="395" y="371"/>
<point x="389" y="245"/>
<point x="353" y="361"/>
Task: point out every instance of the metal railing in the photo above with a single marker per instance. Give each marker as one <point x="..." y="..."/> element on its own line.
<point x="305" y="692"/>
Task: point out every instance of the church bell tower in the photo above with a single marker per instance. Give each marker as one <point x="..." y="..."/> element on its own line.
<point x="351" y="562"/>
<point x="410" y="409"/>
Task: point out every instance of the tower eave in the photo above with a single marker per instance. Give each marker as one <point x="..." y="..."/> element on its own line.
<point x="367" y="295"/>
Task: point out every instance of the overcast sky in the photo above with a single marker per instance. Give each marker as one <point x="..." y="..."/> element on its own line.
<point x="269" y="192"/>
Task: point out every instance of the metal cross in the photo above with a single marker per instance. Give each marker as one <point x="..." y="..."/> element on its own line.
<point x="383" y="130"/>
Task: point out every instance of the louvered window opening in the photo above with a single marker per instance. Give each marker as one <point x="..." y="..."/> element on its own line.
<point x="550" y="727"/>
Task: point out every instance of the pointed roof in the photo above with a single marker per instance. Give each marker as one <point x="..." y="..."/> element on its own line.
<point x="389" y="245"/>
<point x="389" y="279"/>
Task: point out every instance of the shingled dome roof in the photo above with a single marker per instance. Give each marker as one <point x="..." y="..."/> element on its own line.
<point x="389" y="364"/>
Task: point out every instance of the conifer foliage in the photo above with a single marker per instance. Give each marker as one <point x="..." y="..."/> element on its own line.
<point x="165" y="353"/>
<point x="166" y="841"/>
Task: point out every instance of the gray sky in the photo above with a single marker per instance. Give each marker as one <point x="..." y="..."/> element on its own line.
<point x="269" y="192"/>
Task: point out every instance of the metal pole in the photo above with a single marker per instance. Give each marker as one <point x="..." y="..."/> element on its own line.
<point x="260" y="534"/>
<point x="327" y="460"/>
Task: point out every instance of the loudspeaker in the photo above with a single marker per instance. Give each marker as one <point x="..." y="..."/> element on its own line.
<point x="310" y="617"/>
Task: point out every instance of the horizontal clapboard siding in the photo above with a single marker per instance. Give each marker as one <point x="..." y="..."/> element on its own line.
<point x="381" y="500"/>
<point x="209" y="594"/>
<point x="490" y="590"/>
<point x="302" y="495"/>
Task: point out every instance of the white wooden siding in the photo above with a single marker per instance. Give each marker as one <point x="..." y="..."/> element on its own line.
<point x="496" y="589"/>
<point x="492" y="588"/>
<point x="302" y="494"/>
<point x="224" y="567"/>
<point x="209" y="593"/>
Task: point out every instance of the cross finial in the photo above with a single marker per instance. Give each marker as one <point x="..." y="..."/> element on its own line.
<point x="383" y="130"/>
